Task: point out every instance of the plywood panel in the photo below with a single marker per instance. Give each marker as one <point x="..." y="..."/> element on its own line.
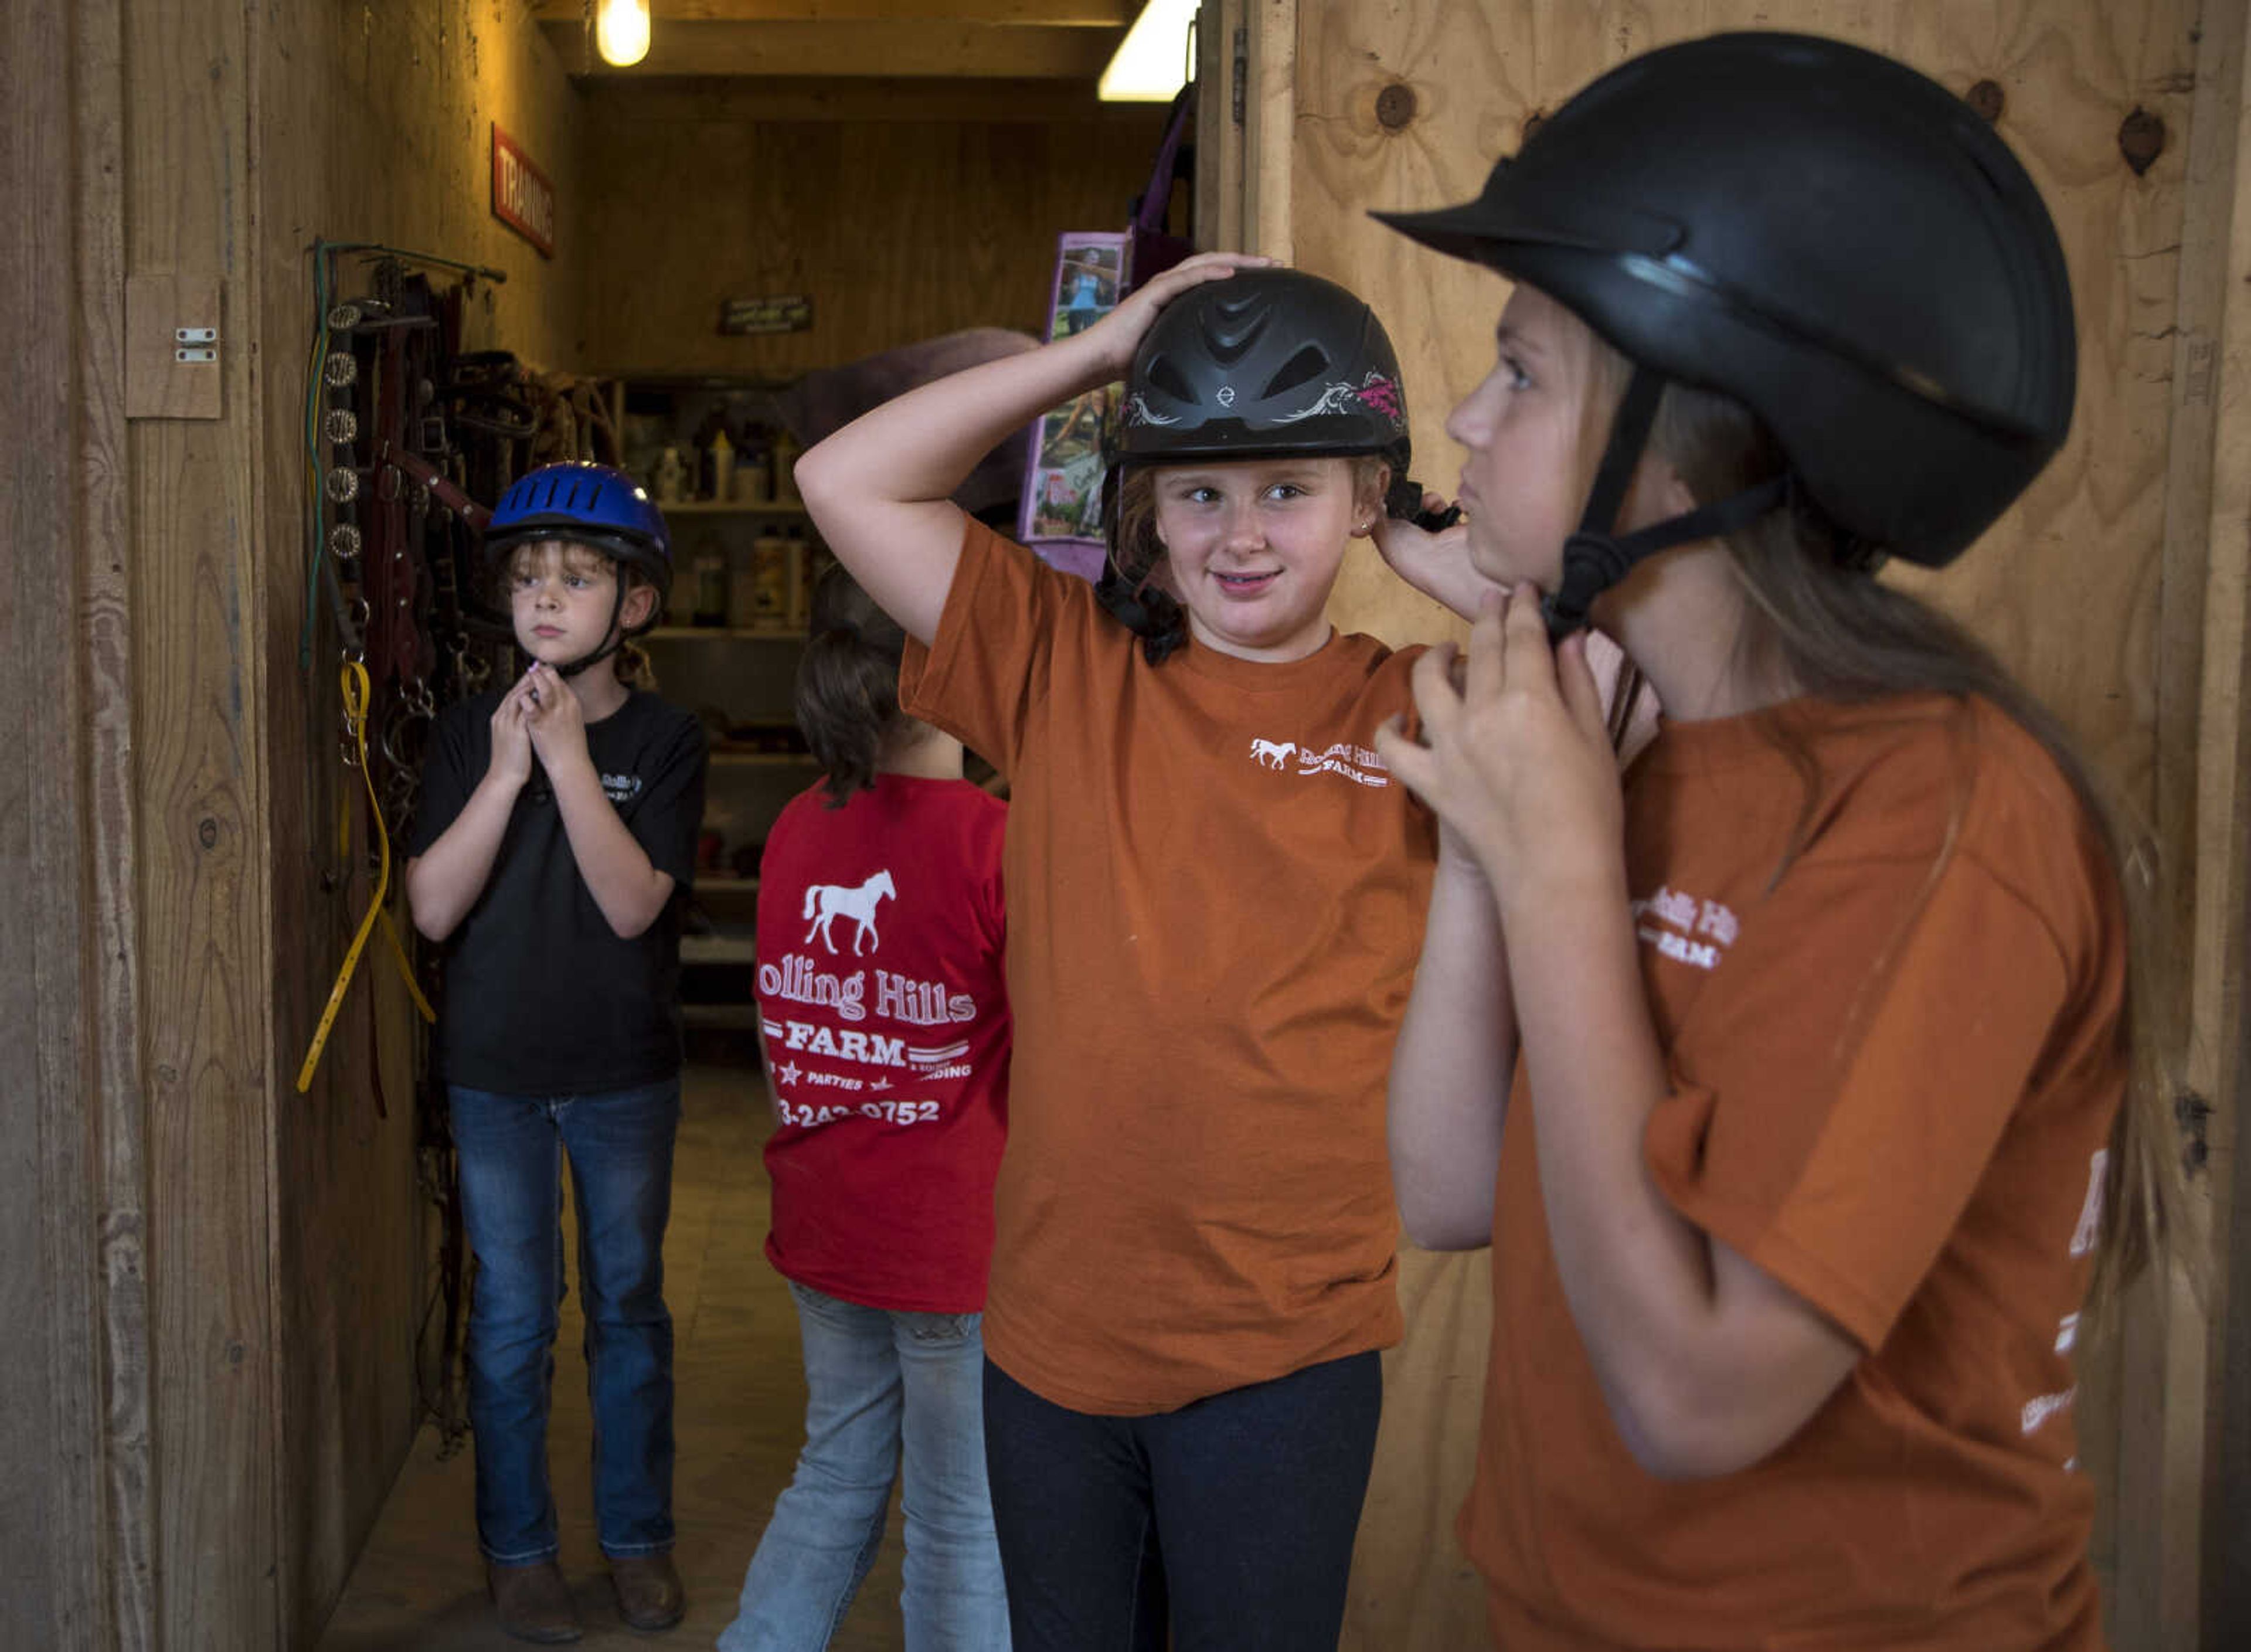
<point x="200" y="865"/>
<point x="894" y="228"/>
<point x="1412" y="1590"/>
<point x="2068" y="588"/>
<point x="2213" y="450"/>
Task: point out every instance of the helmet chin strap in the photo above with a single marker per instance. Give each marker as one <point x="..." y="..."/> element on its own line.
<point x="617" y="638"/>
<point x="1597" y="557"/>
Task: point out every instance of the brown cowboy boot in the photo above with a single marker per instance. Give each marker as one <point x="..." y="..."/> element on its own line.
<point x="533" y="1603"/>
<point x="650" y="1595"/>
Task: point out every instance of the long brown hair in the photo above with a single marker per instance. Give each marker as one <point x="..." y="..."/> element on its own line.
<point x="1817" y="622"/>
<point x="848" y="684"/>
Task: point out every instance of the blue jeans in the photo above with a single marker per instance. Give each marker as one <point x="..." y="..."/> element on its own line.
<point x="881" y="1384"/>
<point x="512" y="1148"/>
<point x="1231" y="1519"/>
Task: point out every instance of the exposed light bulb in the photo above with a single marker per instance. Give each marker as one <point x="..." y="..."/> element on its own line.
<point x="621" y="31"/>
<point x="1150" y="62"/>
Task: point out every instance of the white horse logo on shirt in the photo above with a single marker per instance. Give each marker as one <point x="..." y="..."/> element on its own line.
<point x="1273" y="753"/>
<point x="859" y="904"/>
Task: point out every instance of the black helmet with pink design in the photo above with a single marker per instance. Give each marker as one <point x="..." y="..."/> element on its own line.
<point x="1263" y="364"/>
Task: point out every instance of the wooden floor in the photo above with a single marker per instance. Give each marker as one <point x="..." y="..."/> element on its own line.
<point x="740" y="1418"/>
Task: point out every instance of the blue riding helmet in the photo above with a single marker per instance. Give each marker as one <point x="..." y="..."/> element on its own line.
<point x="588" y="504"/>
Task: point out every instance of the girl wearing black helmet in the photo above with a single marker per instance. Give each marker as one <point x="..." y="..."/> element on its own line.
<point x="1800" y="1085"/>
<point x="550" y="853"/>
<point x="1215" y="895"/>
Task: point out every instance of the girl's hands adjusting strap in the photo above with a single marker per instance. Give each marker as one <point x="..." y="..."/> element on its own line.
<point x="1517" y="760"/>
<point x="1430" y="550"/>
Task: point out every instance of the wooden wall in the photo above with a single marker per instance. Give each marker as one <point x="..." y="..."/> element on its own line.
<point x="2094" y="588"/>
<point x="64" y="963"/>
<point x="215" y="1281"/>
<point x="371" y="123"/>
<point x="902" y="209"/>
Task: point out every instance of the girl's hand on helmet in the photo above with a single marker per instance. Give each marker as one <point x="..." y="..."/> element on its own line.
<point x="556" y="720"/>
<point x="1437" y="564"/>
<point x="1515" y="758"/>
<point x="1118" y="334"/>
<point x="511" y="740"/>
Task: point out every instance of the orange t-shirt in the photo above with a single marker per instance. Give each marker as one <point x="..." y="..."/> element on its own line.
<point x="1894" y="1071"/>
<point x="1216" y="898"/>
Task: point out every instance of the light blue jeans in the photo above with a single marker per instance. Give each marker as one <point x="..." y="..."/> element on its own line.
<point x="882" y="1386"/>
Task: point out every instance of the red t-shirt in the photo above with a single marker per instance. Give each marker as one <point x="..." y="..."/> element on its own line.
<point x="882" y="996"/>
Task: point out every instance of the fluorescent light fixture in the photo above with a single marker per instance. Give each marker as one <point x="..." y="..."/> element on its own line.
<point x="1152" y="62"/>
<point x="621" y="31"/>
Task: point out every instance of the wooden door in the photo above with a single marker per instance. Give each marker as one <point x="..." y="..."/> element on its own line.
<point x="2116" y="588"/>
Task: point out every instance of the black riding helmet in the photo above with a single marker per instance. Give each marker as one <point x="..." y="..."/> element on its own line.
<point x="1825" y="235"/>
<point x="1263" y="364"/>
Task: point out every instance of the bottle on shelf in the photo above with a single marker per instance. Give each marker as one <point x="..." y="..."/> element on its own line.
<point x="770" y="575"/>
<point x="710" y="586"/>
<point x="722" y="466"/>
<point x="742" y="594"/>
<point x="671" y="476"/>
<point x="785" y="468"/>
<point x="754" y="468"/>
<point x="702" y="444"/>
<point x="800" y="587"/>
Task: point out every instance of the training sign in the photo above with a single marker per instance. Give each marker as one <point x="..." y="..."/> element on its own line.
<point x="521" y="197"/>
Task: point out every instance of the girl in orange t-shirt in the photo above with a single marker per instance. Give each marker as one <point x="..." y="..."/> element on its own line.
<point x="1795" y="1081"/>
<point x="1214" y="902"/>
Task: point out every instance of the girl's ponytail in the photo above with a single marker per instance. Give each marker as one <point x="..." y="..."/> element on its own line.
<point x="848" y="684"/>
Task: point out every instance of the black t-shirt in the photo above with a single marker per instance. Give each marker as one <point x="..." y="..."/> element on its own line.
<point x="543" y="998"/>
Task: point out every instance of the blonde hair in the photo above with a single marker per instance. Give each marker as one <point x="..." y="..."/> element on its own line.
<point x="630" y="662"/>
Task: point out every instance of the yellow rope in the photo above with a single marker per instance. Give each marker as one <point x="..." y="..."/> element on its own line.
<point x="357" y="694"/>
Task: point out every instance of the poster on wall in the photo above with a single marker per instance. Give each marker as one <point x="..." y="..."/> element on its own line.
<point x="521" y="197"/>
<point x="1061" y="514"/>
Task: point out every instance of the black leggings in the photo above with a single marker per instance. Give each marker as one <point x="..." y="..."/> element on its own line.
<point x="1232" y="1518"/>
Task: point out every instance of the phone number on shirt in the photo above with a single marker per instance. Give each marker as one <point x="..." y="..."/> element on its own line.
<point x="882" y="1112"/>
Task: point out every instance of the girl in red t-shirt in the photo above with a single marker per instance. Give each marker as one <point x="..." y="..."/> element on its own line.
<point x="881" y="997"/>
<point x="1797" y="1082"/>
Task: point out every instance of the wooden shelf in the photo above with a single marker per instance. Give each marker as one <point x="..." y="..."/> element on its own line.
<point x="720" y="634"/>
<point x="738" y="1017"/>
<point x="719" y="949"/>
<point x="722" y="883"/>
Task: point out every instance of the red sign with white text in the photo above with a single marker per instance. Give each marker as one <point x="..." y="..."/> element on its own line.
<point x="521" y="197"/>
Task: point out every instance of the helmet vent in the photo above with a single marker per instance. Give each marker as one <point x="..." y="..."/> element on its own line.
<point x="1167" y="377"/>
<point x="1308" y="364"/>
<point x="1231" y="332"/>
